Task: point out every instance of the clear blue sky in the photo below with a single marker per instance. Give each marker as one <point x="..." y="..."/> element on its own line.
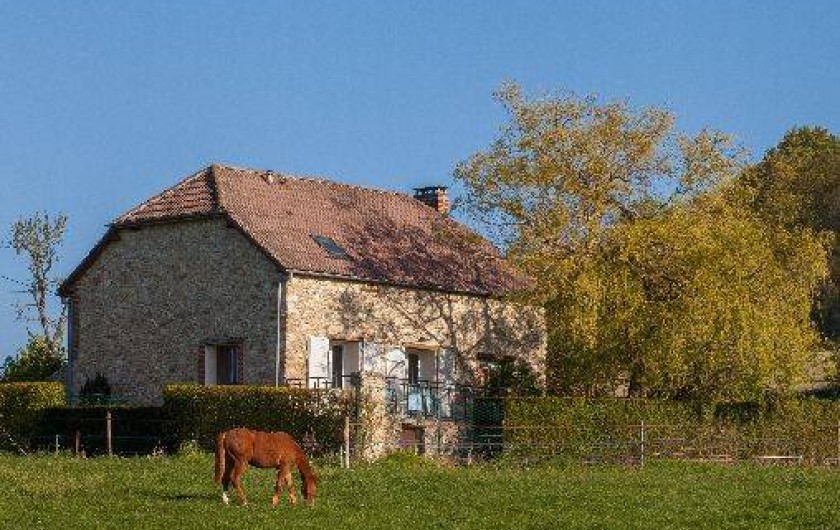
<point x="104" y="104"/>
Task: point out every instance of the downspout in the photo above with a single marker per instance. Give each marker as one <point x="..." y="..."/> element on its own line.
<point x="71" y="354"/>
<point x="282" y="314"/>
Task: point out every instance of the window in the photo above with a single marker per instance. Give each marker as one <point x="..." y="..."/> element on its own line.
<point x="223" y="364"/>
<point x="420" y="366"/>
<point x="332" y="363"/>
<point x="488" y="367"/>
<point x="413" y="438"/>
<point x="332" y="248"/>
<point x="413" y="360"/>
<point x="227" y="365"/>
<point x="495" y="371"/>
<point x="337" y="365"/>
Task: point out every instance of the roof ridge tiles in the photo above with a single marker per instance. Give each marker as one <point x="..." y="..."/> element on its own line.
<point x="318" y="179"/>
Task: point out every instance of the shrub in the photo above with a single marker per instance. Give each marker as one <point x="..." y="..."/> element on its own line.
<point x="95" y="391"/>
<point x="135" y="430"/>
<point x="313" y="417"/>
<point x="22" y="406"/>
<point x="610" y="427"/>
<point x="34" y="362"/>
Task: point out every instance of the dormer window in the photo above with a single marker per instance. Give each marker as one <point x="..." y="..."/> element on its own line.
<point x="332" y="248"/>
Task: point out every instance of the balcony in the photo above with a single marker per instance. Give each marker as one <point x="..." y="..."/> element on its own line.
<point x="406" y="398"/>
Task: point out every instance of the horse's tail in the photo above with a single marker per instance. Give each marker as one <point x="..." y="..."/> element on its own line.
<point x="307" y="476"/>
<point x="220" y="457"/>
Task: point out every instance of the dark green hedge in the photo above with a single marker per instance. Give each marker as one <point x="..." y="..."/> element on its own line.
<point x="134" y="430"/>
<point x="21" y="408"/>
<point x="36" y="416"/>
<point x="313" y="417"/>
<point x="611" y="428"/>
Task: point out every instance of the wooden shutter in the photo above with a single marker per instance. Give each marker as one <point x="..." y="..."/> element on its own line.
<point x="319" y="361"/>
<point x="397" y="365"/>
<point x="446" y="366"/>
<point x="240" y="364"/>
<point x="209" y="374"/>
<point x="201" y="359"/>
<point x="447" y="376"/>
<point x="372" y="358"/>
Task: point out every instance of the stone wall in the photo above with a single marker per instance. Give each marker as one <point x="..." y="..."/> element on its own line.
<point x="154" y="297"/>
<point x="157" y="295"/>
<point x="394" y="316"/>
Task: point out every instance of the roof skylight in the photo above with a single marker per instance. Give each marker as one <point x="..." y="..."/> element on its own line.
<point x="332" y="248"/>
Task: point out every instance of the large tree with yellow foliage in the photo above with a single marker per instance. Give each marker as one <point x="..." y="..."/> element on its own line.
<point x="797" y="185"/>
<point x="651" y="270"/>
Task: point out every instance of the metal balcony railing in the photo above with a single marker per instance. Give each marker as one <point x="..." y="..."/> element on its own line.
<point x="407" y="398"/>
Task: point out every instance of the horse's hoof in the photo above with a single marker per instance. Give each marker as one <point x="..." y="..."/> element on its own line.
<point x="225" y="499"/>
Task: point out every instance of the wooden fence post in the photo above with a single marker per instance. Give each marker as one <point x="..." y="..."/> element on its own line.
<point x="346" y="459"/>
<point x="77" y="442"/>
<point x="108" y="442"/>
<point x="643" y="439"/>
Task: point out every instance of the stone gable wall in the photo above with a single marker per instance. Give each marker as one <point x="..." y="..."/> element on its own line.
<point x="153" y="298"/>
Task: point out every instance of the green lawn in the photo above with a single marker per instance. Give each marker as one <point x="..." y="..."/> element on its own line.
<point x="177" y="492"/>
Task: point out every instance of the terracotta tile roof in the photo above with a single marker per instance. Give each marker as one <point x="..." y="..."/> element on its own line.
<point x="195" y="195"/>
<point x="388" y="237"/>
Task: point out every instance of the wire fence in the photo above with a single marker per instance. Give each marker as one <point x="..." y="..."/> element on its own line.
<point x="628" y="445"/>
<point x="463" y="424"/>
<point x="107" y="435"/>
<point x="467" y="443"/>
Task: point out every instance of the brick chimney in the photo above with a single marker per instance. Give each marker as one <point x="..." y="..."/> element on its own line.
<point x="434" y="196"/>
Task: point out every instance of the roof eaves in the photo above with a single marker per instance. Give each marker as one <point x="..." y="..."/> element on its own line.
<point x="403" y="285"/>
<point x="168" y="220"/>
<point x="66" y="287"/>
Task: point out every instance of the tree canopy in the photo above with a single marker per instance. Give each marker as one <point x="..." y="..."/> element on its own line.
<point x="797" y="185"/>
<point x="651" y="268"/>
<point x="34" y="362"/>
<point x="37" y="239"/>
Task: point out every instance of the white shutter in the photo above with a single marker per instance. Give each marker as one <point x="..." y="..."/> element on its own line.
<point x="447" y="377"/>
<point x="319" y="361"/>
<point x="396" y="364"/>
<point x="210" y="377"/>
<point x="372" y="360"/>
<point x="446" y="367"/>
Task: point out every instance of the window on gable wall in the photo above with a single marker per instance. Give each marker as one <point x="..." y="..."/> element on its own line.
<point x="223" y="364"/>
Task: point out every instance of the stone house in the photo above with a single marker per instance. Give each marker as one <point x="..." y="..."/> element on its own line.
<point x="240" y="276"/>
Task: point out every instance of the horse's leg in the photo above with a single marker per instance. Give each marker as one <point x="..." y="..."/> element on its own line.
<point x="278" y="487"/>
<point x="229" y="463"/>
<point x="236" y="479"/>
<point x="286" y="470"/>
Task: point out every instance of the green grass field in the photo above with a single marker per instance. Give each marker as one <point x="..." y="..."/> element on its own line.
<point x="60" y="492"/>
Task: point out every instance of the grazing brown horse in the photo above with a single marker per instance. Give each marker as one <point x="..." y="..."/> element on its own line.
<point x="237" y="448"/>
